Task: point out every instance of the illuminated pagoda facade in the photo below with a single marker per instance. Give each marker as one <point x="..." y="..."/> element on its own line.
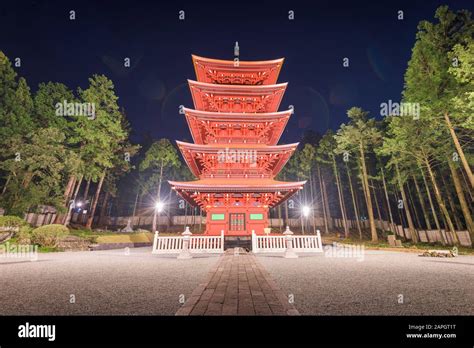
<point x="235" y="126"/>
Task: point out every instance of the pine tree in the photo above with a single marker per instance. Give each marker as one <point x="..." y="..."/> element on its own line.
<point x="358" y="137"/>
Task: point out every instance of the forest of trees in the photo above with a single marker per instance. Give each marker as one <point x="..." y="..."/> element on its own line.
<point x="47" y="157"/>
<point x="409" y="169"/>
<point x="405" y="168"/>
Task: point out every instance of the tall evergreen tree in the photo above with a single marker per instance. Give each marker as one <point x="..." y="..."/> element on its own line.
<point x="358" y="137"/>
<point x="429" y="80"/>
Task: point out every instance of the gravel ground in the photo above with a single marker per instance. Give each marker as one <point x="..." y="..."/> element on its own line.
<point x="324" y="285"/>
<point x="103" y="282"/>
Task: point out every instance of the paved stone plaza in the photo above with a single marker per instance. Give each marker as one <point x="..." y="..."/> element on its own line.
<point x="324" y="285"/>
<point x="139" y="283"/>
<point x="238" y="285"/>
<point x="103" y="282"/>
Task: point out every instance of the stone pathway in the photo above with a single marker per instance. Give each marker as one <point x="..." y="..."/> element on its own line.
<point x="238" y="285"/>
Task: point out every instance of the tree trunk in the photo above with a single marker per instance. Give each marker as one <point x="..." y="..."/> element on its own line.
<point x="422" y="204"/>
<point x="27" y="179"/>
<point x="168" y="214"/>
<point x="139" y="206"/>
<point x="459" y="149"/>
<point x="6" y="184"/>
<point x="373" y="230"/>
<point x="78" y="187"/>
<point x="326" y="230"/>
<point x="60" y="218"/>
<point x="84" y="198"/>
<point x="440" y="200"/>
<point x="406" y="207"/>
<point x="462" y="200"/>
<point x="103" y="208"/>
<point x="341" y="204"/>
<point x="344" y="204"/>
<point x="388" y="201"/>
<point x="457" y="221"/>
<point x="135" y="207"/>
<point x="90" y="219"/>
<point x="413" y="206"/>
<point x="469" y="190"/>
<point x="376" y="201"/>
<point x="356" y="211"/>
<point x="74" y="197"/>
<point x="326" y="200"/>
<point x="70" y="192"/>
<point x="397" y="199"/>
<point x="86" y="192"/>
<point x="69" y="187"/>
<point x="312" y="201"/>
<point x="430" y="200"/>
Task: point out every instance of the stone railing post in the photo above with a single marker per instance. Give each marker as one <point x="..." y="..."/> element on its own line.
<point x="289" y="252"/>
<point x="155" y="242"/>
<point x="185" y="254"/>
<point x="320" y="241"/>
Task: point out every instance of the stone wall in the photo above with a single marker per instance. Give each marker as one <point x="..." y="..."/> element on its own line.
<point x="430" y="236"/>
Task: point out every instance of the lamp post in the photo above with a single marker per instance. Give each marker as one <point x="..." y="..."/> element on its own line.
<point x="72" y="205"/>
<point x="158" y="209"/>
<point x="305" y="210"/>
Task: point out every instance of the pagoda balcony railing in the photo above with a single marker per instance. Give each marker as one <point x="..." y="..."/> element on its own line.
<point x="227" y="139"/>
<point x="235" y="175"/>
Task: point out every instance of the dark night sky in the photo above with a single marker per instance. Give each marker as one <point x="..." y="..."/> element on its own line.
<point x="53" y="48"/>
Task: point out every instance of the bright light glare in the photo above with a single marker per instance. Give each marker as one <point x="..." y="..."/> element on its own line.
<point x="306" y="210"/>
<point x="79" y="204"/>
<point x="159" y="206"/>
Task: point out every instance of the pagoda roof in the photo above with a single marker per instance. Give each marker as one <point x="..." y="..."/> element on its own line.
<point x="190" y="190"/>
<point x="228" y="185"/>
<point x="202" y="124"/>
<point x="236" y="98"/>
<point x="205" y="158"/>
<point x="218" y="71"/>
<point x="258" y="147"/>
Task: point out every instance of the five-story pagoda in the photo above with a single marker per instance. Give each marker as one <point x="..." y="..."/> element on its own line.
<point x="235" y="128"/>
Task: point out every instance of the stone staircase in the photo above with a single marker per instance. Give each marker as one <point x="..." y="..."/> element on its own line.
<point x="238" y="242"/>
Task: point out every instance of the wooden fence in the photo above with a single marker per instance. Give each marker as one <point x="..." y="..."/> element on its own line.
<point x="271" y="244"/>
<point x="197" y="244"/>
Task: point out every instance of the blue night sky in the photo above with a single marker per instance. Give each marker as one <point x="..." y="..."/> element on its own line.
<point x="54" y="48"/>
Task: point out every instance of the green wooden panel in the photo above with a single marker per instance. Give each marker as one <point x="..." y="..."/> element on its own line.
<point x="217" y="217"/>
<point x="256" y="216"/>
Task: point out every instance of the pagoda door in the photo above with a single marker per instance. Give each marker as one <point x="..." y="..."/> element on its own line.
<point x="236" y="222"/>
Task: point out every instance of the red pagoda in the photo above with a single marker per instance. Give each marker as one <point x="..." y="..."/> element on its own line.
<point x="235" y="128"/>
